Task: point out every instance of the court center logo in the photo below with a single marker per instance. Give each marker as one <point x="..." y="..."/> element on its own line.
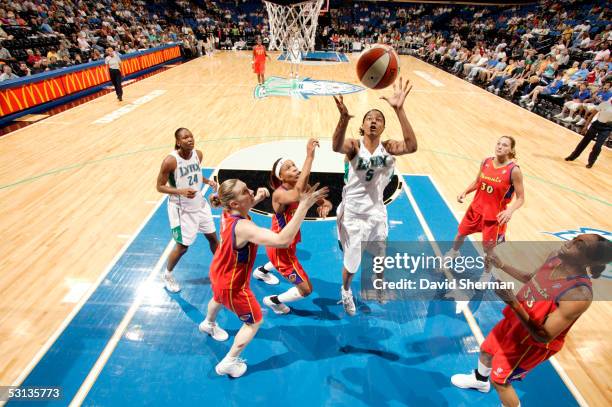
<point x="570" y="234"/>
<point x="303" y="88"/>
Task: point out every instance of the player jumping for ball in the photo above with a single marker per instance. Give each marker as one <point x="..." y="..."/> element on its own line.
<point x="369" y="166"/>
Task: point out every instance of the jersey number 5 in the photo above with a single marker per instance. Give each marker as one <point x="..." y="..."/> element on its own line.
<point x="369" y="174"/>
<point x="485" y="187"/>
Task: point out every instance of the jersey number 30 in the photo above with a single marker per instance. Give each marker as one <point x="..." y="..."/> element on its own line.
<point x="485" y="187"/>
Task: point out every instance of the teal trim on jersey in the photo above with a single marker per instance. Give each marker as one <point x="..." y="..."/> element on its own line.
<point x="177" y="235"/>
<point x="346" y="171"/>
<point x="171" y="180"/>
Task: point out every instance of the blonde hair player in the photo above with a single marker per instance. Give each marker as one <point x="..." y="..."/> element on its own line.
<point x="188" y="211"/>
<point x="369" y="166"/>
<point x="233" y="261"/>
<point x="498" y="180"/>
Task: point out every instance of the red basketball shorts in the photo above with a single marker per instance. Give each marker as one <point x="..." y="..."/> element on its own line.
<point x="287" y="264"/>
<point x="473" y="222"/>
<point x="241" y="302"/>
<point x="513" y="358"/>
<point x="259" y="67"/>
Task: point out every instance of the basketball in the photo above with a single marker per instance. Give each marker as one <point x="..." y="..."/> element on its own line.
<point x="378" y="66"/>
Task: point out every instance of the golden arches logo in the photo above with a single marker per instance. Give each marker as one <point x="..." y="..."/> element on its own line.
<point x="24" y="96"/>
<point x="6" y="95"/>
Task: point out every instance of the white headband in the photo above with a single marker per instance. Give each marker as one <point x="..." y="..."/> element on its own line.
<point x="278" y="167"/>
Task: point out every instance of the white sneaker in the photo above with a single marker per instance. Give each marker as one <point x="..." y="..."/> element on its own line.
<point x="234" y="367"/>
<point x="267" y="278"/>
<point x="214" y="330"/>
<point x="348" y="302"/>
<point x="558" y="116"/>
<point x="496" y="91"/>
<point x="524" y="97"/>
<point x="279" y="309"/>
<point x="568" y="119"/>
<point x="576" y="119"/>
<point x="170" y="283"/>
<point x="581" y="122"/>
<point x="469" y="381"/>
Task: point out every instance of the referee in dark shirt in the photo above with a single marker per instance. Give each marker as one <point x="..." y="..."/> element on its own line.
<point x="114" y="67"/>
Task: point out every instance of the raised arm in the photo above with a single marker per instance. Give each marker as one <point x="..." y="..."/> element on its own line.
<point x="284" y="197"/>
<point x="339" y="142"/>
<point x="247" y="231"/>
<point x="302" y="181"/>
<point x="396" y="101"/>
<point x="167" y="167"/>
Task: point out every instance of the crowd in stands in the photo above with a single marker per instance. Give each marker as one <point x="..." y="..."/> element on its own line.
<point x="552" y="57"/>
<point x="43" y="35"/>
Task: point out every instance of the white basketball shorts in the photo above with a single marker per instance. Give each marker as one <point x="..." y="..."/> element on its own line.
<point x="370" y="230"/>
<point x="186" y="225"/>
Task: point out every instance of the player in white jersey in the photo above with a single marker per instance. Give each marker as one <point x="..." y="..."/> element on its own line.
<point x="181" y="178"/>
<point x="369" y="164"/>
<point x="295" y="53"/>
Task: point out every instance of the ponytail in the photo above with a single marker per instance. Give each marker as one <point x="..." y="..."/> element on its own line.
<point x="224" y="195"/>
<point x="215" y="202"/>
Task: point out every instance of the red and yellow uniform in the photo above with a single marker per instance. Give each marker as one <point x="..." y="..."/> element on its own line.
<point x="495" y="191"/>
<point x="230" y="273"/>
<point x="259" y="59"/>
<point x="514" y="350"/>
<point x="285" y="259"/>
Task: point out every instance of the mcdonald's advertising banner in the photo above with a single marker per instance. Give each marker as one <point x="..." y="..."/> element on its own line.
<point x="37" y="91"/>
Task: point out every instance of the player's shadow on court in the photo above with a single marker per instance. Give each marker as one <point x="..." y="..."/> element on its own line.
<point x="188" y="309"/>
<point x="199" y="281"/>
<point x="317" y="342"/>
<point x="408" y="386"/>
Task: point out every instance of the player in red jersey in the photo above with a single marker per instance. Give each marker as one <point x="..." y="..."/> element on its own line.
<point x="288" y="182"/>
<point x="232" y="263"/>
<point x="259" y="60"/>
<point x="539" y="317"/>
<point x="498" y="180"/>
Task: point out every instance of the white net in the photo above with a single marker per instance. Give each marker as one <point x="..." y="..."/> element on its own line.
<point x="293" y="20"/>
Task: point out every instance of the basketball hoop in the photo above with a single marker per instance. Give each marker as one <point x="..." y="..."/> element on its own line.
<point x="297" y="19"/>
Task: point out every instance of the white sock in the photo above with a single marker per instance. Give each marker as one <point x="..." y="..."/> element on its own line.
<point x="268" y="266"/>
<point x="346" y="291"/>
<point x="483" y="370"/>
<point x="208" y="321"/>
<point x="292" y="294"/>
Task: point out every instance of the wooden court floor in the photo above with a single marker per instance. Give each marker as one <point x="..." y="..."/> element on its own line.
<point x="73" y="192"/>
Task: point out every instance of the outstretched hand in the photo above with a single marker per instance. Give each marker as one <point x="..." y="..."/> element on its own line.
<point x="311" y="195"/>
<point x="310" y="147"/>
<point x="342" y="107"/>
<point x="400" y="91"/>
